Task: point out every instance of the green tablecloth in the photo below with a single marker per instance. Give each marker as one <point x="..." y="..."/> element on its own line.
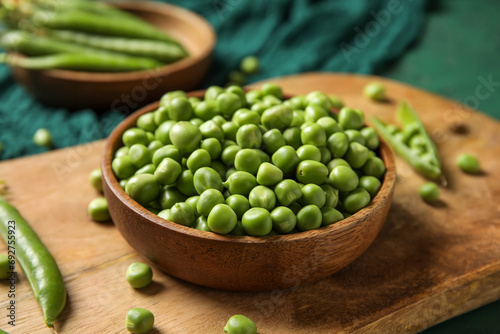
<point x="457" y="51"/>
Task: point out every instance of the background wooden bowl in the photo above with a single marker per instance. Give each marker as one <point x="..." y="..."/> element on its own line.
<point x="242" y="263"/>
<point x="128" y="90"/>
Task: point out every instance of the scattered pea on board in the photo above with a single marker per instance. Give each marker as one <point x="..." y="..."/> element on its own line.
<point x="468" y="163"/>
<point x="43" y="138"/>
<point x="429" y="192"/>
<point x="139" y="275"/>
<point x="239" y="324"/>
<point x="375" y="91"/>
<point x="98" y="210"/>
<point x="139" y="321"/>
<point x="250" y="163"/>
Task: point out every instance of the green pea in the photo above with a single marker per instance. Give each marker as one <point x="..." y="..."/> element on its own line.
<point x="230" y="129"/>
<point x="197" y="159"/>
<point x="249" y="136"/>
<point x="206" y="110"/>
<point x="208" y="199"/>
<point x="143" y="188"/>
<point x="468" y="163"/>
<point x="338" y="144"/>
<point x="269" y="175"/>
<point x="139" y="275"/>
<point x="272" y="89"/>
<point x="262" y="197"/>
<point x="228" y="103"/>
<point x="168" y="171"/>
<point x="299" y="117"/>
<point x="146" y="169"/>
<point x="309" y="218"/>
<point x="236" y="78"/>
<point x="374" y="166"/>
<point x="238" y="229"/>
<point x="180" y="109"/>
<point x="147" y="122"/>
<point x="154" y="146"/>
<point x="314" y="112"/>
<point x="273" y="140"/>
<point x="409" y="131"/>
<point x="336" y="101"/>
<point x="418" y="142"/>
<point x="351" y="118"/>
<point x="253" y="96"/>
<point x="429" y="192"/>
<point x="212" y="146"/>
<point x="374" y="91"/>
<point x="326" y="155"/>
<point x="95" y="179"/>
<point x="356" y="200"/>
<point x="310" y="171"/>
<point x="330" y="125"/>
<point x="207" y="178"/>
<point x="160" y="115"/>
<point x="139" y="155"/>
<point x="247" y="160"/>
<point x="123" y="167"/>
<point x="134" y="136"/>
<point x="98" y="210"/>
<point x="331" y="195"/>
<point x="165" y="214"/>
<point x="229" y="154"/>
<point x="166" y="98"/>
<point x="185" y="183"/>
<point x="309" y="152"/>
<point x="162" y="133"/>
<point x="194" y="101"/>
<point x="371" y="138"/>
<point x="257" y="222"/>
<point x="169" y="196"/>
<point x="196" y="121"/>
<point x="355" y="136"/>
<point x="319" y="99"/>
<point x="193" y="202"/>
<point x="259" y="107"/>
<point x="370" y="184"/>
<point x="121" y="152"/>
<point x="287" y="192"/>
<point x="246" y="117"/>
<point x="357" y="155"/>
<point x="185" y="136"/>
<point x="277" y="117"/>
<point x="168" y="151"/>
<point x="182" y="214"/>
<point x="123" y="184"/>
<point x="337" y="162"/>
<point x="219" y="168"/>
<point x="210" y="129"/>
<point x="139" y="321"/>
<point x="286" y="159"/>
<point x="292" y="137"/>
<point x="344" y="178"/>
<point x="222" y="219"/>
<point x="240" y="183"/>
<point x="213" y="92"/>
<point x="150" y="136"/>
<point x="250" y="65"/>
<point x="284" y="220"/>
<point x="201" y="224"/>
<point x="330" y="216"/>
<point x="313" y="194"/>
<point x="236" y="89"/>
<point x="239" y="204"/>
<point x="313" y="134"/>
<point x="230" y="171"/>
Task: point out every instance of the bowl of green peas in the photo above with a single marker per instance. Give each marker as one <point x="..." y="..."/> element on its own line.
<point x="100" y="55"/>
<point x="248" y="190"/>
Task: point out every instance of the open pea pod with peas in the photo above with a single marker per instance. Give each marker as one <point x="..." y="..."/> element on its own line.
<point x="412" y="142"/>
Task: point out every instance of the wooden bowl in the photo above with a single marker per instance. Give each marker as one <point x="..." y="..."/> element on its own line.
<point x="242" y="263"/>
<point x="127" y="91"/>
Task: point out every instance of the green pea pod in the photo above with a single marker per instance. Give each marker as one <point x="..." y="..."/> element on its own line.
<point x="96" y="7"/>
<point x="37" y="263"/>
<point x="99" y="24"/>
<point x="424" y="167"/>
<point x="166" y="52"/>
<point x="93" y="62"/>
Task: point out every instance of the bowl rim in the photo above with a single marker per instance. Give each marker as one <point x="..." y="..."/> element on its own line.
<point x="375" y="205"/>
<point x="177" y="66"/>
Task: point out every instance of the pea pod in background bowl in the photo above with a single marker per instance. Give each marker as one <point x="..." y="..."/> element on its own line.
<point x="242" y="263"/>
<point x="129" y="82"/>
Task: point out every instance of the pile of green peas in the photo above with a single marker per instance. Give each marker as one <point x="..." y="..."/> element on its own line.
<point x="250" y="163"/>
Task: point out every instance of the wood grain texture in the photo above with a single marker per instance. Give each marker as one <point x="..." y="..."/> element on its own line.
<point x="428" y="264"/>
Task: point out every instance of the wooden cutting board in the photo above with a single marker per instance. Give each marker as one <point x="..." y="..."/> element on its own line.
<point x="428" y="264"/>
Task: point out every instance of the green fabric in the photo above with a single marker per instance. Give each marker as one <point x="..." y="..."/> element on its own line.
<point x="288" y="36"/>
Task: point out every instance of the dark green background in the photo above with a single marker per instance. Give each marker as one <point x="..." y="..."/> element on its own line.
<point x="460" y="42"/>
